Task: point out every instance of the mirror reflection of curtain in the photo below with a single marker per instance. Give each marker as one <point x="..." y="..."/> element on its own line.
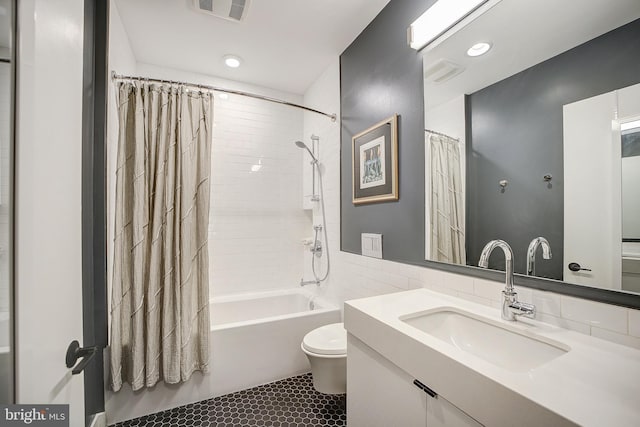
<point x="160" y="296"/>
<point x="446" y="206"/>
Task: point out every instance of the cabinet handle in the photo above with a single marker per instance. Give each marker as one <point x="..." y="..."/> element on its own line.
<point x="425" y="389"/>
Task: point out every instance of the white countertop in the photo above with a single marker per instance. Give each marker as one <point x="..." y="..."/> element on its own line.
<point x="596" y="383"/>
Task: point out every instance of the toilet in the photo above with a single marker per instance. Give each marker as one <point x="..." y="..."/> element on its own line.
<point x="326" y="349"/>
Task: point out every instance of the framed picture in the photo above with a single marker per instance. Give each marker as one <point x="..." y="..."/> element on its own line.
<point x="374" y="162"/>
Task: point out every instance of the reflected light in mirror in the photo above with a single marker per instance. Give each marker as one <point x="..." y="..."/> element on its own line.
<point x="479" y="49"/>
<point x="443" y="15"/>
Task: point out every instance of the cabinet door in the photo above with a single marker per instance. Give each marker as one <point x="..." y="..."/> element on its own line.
<point x="379" y="394"/>
<point x="441" y="413"/>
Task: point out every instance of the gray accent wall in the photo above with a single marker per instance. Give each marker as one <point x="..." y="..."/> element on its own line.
<point x="528" y="144"/>
<point x="381" y="75"/>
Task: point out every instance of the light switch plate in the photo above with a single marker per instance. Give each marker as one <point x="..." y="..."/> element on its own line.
<point x="372" y="245"/>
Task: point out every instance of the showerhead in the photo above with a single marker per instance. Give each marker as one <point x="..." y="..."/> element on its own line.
<point x="301" y="144"/>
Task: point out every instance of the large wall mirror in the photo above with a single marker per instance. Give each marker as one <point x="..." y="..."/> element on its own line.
<point x="537" y="141"/>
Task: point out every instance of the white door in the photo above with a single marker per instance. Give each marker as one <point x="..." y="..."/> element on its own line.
<point x="592" y="192"/>
<point x="48" y="278"/>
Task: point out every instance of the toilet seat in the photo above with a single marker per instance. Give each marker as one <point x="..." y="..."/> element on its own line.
<point x="328" y="340"/>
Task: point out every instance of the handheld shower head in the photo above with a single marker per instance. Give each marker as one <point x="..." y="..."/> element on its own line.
<point x="301" y="144"/>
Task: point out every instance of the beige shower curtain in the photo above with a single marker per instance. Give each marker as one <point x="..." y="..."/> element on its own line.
<point x="160" y="290"/>
<point x="446" y="208"/>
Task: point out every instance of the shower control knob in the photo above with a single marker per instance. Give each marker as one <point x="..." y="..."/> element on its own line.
<point x="574" y="266"/>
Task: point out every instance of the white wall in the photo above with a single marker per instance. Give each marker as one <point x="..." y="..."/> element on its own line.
<point x="355" y="276"/>
<point x="257" y="223"/>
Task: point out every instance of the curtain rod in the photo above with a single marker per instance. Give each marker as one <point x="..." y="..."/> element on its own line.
<point x="115" y="76"/>
<point x="442" y="134"/>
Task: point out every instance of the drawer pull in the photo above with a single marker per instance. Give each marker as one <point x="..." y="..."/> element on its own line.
<point x="425" y="389"/>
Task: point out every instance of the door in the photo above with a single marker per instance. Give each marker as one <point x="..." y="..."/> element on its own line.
<point x="48" y="269"/>
<point x="591" y="192"/>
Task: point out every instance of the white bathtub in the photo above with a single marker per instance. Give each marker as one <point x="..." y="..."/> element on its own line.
<point x="255" y="339"/>
<point x="244" y="309"/>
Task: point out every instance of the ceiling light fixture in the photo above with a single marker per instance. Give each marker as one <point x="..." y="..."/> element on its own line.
<point x="479" y="49"/>
<point x="232" y="61"/>
<point x="439" y="18"/>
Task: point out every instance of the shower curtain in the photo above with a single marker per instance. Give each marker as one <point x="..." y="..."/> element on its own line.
<point x="446" y="208"/>
<point x="160" y="289"/>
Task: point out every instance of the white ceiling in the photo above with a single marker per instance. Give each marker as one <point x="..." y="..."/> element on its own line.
<point x="523" y="33"/>
<point x="285" y="44"/>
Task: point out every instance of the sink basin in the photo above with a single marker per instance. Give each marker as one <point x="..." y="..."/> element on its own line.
<point x="491" y="341"/>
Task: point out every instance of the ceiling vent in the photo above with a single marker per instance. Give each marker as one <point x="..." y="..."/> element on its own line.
<point x="441" y="71"/>
<point x="232" y="10"/>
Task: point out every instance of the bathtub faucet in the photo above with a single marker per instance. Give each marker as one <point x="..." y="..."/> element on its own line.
<point x="309" y="282"/>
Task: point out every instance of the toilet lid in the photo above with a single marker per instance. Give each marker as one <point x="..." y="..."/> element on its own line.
<point x="328" y="339"/>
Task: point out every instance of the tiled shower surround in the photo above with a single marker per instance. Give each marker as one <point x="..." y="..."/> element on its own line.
<point x="292" y="402"/>
<point x="256" y="221"/>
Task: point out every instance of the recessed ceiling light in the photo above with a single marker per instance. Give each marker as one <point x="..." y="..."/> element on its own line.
<point x="232" y="61"/>
<point x="479" y="49"/>
<point x="223" y="96"/>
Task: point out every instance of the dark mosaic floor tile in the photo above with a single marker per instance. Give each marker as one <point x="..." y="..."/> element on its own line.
<point x="292" y="402"/>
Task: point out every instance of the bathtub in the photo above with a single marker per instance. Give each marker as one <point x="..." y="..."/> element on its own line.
<point x="255" y="339"/>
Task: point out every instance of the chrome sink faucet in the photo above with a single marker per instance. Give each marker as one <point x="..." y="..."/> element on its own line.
<point x="511" y="307"/>
<point x="531" y="253"/>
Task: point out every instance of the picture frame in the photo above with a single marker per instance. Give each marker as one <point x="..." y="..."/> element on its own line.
<point x="374" y="163"/>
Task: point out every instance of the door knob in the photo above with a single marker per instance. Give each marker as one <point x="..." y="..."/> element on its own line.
<point x="75" y="352"/>
<point x="574" y="266"/>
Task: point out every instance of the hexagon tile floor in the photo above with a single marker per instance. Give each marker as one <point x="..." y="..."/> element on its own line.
<point x="292" y="402"/>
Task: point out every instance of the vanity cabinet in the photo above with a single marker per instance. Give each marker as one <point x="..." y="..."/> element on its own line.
<point x="380" y="394"/>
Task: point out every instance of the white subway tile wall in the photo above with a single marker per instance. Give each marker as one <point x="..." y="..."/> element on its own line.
<point x="354" y="276"/>
<point x="598" y="315"/>
<point x="257" y="223"/>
